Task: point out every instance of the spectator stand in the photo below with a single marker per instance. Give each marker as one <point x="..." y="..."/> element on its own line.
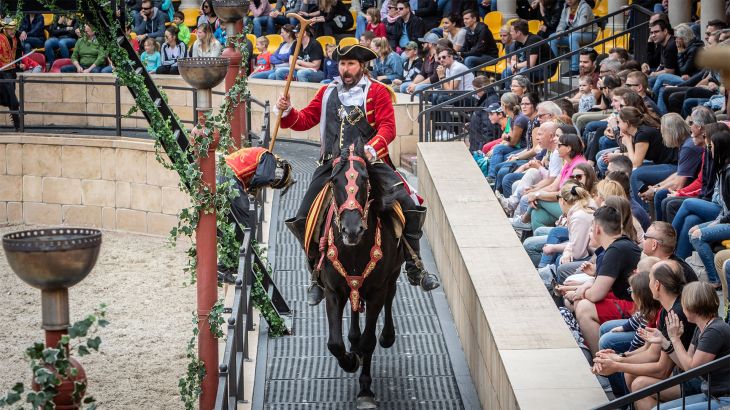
<point x="453" y="113"/>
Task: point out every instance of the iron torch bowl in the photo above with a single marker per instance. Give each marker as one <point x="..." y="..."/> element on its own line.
<point x="203" y="72"/>
<point x="52" y="258"/>
<point x="230" y="10"/>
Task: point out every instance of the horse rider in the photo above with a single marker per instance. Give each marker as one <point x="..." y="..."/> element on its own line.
<point x="355" y="107"/>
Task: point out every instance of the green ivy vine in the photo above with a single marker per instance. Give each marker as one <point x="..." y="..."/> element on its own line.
<point x="80" y="341"/>
<point x="260" y="297"/>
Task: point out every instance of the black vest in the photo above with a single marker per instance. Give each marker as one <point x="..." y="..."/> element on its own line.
<point x="345" y="125"/>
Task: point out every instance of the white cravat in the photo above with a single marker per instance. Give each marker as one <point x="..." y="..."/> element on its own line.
<point x="355" y="95"/>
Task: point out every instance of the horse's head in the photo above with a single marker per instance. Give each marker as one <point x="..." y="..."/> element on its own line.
<point x="350" y="194"/>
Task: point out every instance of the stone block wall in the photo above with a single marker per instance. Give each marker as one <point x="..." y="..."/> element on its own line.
<point x="520" y="353"/>
<point x="109" y="183"/>
<point x="100" y="97"/>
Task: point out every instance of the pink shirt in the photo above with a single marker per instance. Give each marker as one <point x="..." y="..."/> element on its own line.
<point x="568" y="168"/>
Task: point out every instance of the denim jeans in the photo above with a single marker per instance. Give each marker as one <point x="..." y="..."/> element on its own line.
<point x="659" y="197"/>
<point x="261" y="22"/>
<point x="503" y="169"/>
<point x="60" y="44"/>
<point x="499" y="153"/>
<point x="533" y="245"/>
<point x="360" y="25"/>
<point x="473" y="61"/>
<point x="703" y="246"/>
<point x="508" y="181"/>
<point x="693" y="212"/>
<point x="556" y="235"/>
<point x="574" y="41"/>
<point x="282" y="19"/>
<point x="696" y="402"/>
<point x="263" y="75"/>
<point x="546" y="214"/>
<point x="600" y="164"/>
<point x="690" y="103"/>
<point x="309" y="76"/>
<point x="444" y="7"/>
<point x="32" y="42"/>
<point x="72" y="69"/>
<point x="620" y="342"/>
<point x="649" y="175"/>
<point x="665" y="79"/>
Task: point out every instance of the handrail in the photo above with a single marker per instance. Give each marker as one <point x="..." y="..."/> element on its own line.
<point x="538" y="44"/>
<point x="705" y="369"/>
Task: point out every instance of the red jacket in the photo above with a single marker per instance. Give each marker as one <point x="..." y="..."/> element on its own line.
<point x="378" y="103"/>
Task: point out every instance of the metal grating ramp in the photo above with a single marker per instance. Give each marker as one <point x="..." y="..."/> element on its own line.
<point x="416" y="373"/>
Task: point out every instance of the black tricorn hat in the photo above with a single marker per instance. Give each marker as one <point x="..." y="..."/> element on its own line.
<point x="354" y="52"/>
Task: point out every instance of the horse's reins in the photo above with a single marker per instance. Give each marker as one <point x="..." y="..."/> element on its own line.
<point x="354" y="282"/>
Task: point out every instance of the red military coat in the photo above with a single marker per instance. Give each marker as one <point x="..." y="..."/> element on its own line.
<point x="244" y="163"/>
<point x="379" y="110"/>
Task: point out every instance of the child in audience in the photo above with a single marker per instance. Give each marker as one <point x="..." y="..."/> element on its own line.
<point x="330" y="66"/>
<point x="584" y="98"/>
<point x="183" y="33"/>
<point x="151" y="57"/>
<point x="372" y="15"/>
<point x="29" y="65"/>
<point x="263" y="60"/>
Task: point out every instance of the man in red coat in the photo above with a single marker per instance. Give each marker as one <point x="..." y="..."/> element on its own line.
<point x="352" y="108"/>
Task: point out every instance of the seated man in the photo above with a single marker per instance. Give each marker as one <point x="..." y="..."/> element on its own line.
<point x="659" y="241"/>
<point x="150" y="22"/>
<point x="479" y="45"/>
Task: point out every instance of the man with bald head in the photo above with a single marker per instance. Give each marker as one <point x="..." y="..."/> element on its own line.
<point x="660" y="240"/>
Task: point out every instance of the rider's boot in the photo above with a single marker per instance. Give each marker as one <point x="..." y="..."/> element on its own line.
<point x="416" y="272"/>
<point x="315" y="292"/>
<point x="15" y="119"/>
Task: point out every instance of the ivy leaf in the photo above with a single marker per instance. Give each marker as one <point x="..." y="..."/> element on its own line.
<point x="103" y="322"/>
<point x="65" y="339"/>
<point x="94" y="343"/>
<point x="83" y="351"/>
<point x="50" y="355"/>
<point x="44" y="376"/>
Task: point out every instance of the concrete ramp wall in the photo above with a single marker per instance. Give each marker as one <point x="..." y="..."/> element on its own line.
<point x="518" y="348"/>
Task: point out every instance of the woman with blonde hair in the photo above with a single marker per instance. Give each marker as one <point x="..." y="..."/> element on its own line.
<point x="388" y="66"/>
<point x="206" y="45"/>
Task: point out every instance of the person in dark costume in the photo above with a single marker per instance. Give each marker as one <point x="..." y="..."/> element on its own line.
<point x="10" y="51"/>
<point x="355" y="108"/>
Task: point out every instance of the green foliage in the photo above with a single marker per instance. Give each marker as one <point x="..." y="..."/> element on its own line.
<point x="215" y="319"/>
<point x="51" y="366"/>
<point x="260" y="298"/>
<point x="189" y="384"/>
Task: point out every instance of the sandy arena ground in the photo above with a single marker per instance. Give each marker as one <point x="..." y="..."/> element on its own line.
<point x="142" y="354"/>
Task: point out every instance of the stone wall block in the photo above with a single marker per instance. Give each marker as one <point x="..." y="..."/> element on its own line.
<point x="123" y="199"/>
<point x="131" y="166"/>
<point x="61" y="191"/>
<point x="146" y="198"/>
<point x="73" y="93"/>
<point x="32" y="188"/>
<point x="37" y="92"/>
<point x="173" y="200"/>
<point x="81" y="162"/>
<point x="15" y="212"/>
<point x="41" y="160"/>
<point x="160" y="224"/>
<point x="131" y="220"/>
<point x="98" y="192"/>
<point x="3" y="161"/>
<point x="3" y="212"/>
<point x="11" y="188"/>
<point x="108" y="164"/>
<point x="158" y="175"/>
<point x="82" y="215"/>
<point x="67" y="113"/>
<point x="42" y="214"/>
<point x="100" y="93"/>
<point x="108" y="218"/>
<point x="14" y="159"/>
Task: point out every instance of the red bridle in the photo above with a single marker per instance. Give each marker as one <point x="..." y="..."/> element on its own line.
<point x="351" y="189"/>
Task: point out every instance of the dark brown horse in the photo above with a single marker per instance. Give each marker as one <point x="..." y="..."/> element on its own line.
<point x="363" y="258"/>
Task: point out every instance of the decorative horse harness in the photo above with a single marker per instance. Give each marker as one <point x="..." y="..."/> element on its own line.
<point x="354" y="282"/>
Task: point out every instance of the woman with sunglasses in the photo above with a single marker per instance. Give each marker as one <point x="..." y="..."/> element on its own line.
<point x="207" y="15"/>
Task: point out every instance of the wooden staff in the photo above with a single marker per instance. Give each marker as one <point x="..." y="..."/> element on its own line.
<point x="303" y="24"/>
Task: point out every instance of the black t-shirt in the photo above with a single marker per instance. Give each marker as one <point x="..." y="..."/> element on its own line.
<point x="312" y="52"/>
<point x="689" y="328"/>
<point x="543" y="52"/>
<point x="689" y="273"/>
<point x="669" y="55"/>
<point x="619" y="261"/>
<point x="715" y="339"/>
<point x="657" y="152"/>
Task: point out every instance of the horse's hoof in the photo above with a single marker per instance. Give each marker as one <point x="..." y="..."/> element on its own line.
<point x="356" y="363"/>
<point x="386" y="342"/>
<point x="366" y="402"/>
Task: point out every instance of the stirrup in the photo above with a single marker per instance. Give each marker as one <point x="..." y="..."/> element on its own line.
<point x="315" y="294"/>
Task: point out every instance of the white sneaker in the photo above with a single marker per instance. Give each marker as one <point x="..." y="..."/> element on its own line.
<point x="519" y="225"/>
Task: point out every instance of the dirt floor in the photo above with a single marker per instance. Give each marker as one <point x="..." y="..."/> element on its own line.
<point x="142" y="354"/>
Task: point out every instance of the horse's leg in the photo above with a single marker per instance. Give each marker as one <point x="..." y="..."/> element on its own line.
<point x="347" y="361"/>
<point x="387" y="335"/>
<point x="366" y="397"/>
<point x="354" y="334"/>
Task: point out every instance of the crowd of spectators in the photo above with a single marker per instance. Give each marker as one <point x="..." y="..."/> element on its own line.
<point x="612" y="191"/>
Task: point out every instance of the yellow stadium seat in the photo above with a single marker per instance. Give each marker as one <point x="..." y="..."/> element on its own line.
<point x="726" y="243"/>
<point x="534" y="26"/>
<point x="47" y="19"/>
<point x="274" y="42"/>
<point x="191" y="17"/>
<point x="348" y="41"/>
<point x="325" y="40"/>
<point x="493" y="20"/>
<point x="501" y="64"/>
<point x="252" y="38"/>
<point x="193" y="38"/>
<point x="354" y="19"/>
<point x="601" y="8"/>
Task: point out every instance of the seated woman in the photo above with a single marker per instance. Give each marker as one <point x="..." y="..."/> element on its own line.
<point x="88" y="57"/>
<point x="676" y="134"/>
<point x="710" y="340"/>
<point x="544" y="207"/>
<point x="668" y="201"/>
<point x="388" y="65"/>
<point x="280" y="57"/>
<point x="206" y="45"/>
<point x="62" y="38"/>
<point x="575" y="13"/>
<point x="331" y="18"/>
<point x="171" y="51"/>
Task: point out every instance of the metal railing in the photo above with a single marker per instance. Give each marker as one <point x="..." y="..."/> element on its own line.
<point x="454" y="112"/>
<point x="718" y="364"/>
<point x="22" y="81"/>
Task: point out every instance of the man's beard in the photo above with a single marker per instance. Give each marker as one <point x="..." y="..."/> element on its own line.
<point x="356" y="79"/>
